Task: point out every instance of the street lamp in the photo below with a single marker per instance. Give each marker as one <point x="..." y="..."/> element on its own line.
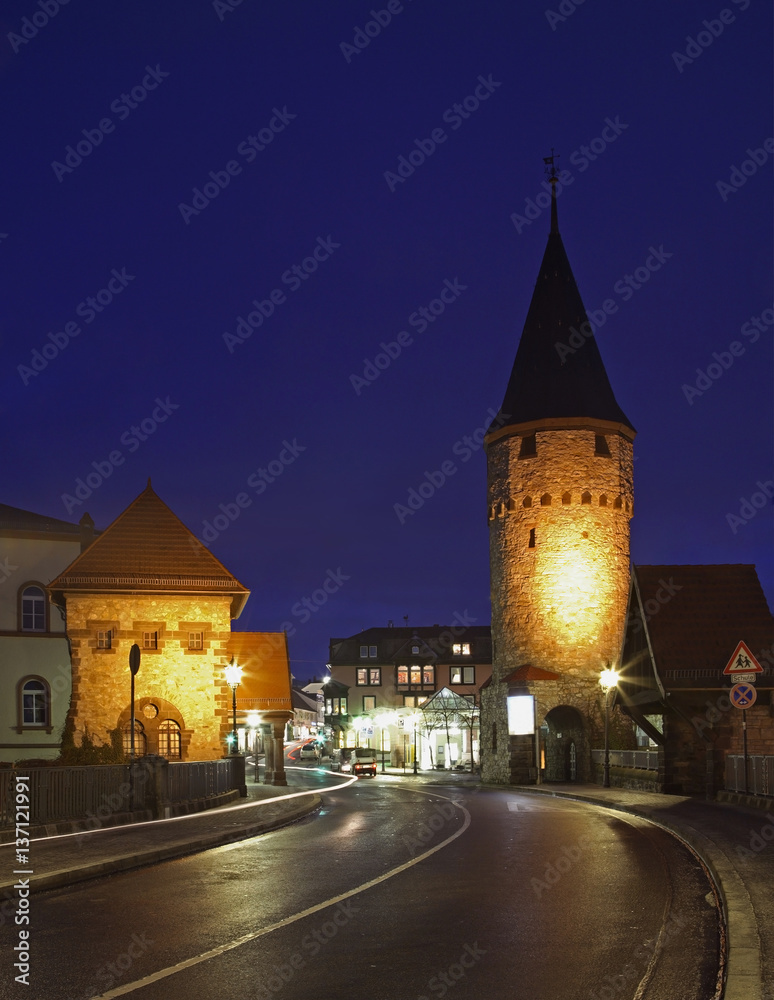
<point x="233" y="674"/>
<point x="608" y="680"/>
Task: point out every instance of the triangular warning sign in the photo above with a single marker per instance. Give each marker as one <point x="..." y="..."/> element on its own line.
<point x="743" y="662"/>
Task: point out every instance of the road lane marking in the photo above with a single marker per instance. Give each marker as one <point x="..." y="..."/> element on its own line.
<point x="205" y="956"/>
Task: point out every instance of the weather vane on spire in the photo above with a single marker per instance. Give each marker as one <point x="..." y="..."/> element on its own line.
<point x="553" y="179"/>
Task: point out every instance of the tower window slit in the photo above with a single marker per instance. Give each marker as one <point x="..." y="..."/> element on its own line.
<point x="532" y="538"/>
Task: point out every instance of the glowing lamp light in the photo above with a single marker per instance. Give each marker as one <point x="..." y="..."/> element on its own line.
<point x="609" y="679"/>
<point x="521" y="715"/>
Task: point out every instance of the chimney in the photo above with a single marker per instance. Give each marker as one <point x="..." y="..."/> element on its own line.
<point x="87" y="531"/>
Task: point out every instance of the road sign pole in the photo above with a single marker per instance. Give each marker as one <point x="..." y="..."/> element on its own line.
<point x="744" y="746"/>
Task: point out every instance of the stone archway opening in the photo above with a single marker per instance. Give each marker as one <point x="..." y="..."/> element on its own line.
<point x="162" y="726"/>
<point x="565" y="746"/>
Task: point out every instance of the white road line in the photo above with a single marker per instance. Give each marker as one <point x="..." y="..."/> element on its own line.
<point x="205" y="956"/>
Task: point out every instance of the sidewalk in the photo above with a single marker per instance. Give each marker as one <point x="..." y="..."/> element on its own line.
<point x="68" y="858"/>
<point x="716" y="832"/>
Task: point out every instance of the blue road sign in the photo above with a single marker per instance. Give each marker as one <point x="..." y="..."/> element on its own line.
<point x="743" y="695"/>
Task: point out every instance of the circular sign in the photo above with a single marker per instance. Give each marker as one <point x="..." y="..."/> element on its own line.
<point x="134" y="659"/>
<point x="743" y="695"/>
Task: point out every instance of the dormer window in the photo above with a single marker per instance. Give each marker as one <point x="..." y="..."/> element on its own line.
<point x="461" y="649"/>
<point x="415" y="650"/>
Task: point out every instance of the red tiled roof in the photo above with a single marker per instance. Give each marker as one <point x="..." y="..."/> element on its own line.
<point x="529" y="673"/>
<point x="697" y="615"/>
<point x="149" y="549"/>
<point x="263" y="657"/>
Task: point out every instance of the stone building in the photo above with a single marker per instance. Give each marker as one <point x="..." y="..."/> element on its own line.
<point x="147" y="580"/>
<point x="559" y="470"/>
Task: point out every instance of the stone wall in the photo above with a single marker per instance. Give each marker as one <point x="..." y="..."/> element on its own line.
<point x="190" y="680"/>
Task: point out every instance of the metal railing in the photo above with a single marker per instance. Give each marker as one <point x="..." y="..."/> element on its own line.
<point x="644" y="760"/>
<point x="760" y="774"/>
<point x="198" y="780"/>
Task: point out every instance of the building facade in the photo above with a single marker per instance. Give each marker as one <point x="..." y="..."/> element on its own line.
<point x="560" y="498"/>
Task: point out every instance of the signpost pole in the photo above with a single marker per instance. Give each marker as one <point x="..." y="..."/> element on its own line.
<point x="134" y="666"/>
<point x="744" y="745"/>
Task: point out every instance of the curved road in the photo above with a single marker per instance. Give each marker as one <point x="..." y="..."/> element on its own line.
<point x="398" y="891"/>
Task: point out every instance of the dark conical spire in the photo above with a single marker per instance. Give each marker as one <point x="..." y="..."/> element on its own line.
<point x="558" y="371"/>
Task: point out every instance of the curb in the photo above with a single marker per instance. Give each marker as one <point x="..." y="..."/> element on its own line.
<point x="744" y="966"/>
<point x="66" y="877"/>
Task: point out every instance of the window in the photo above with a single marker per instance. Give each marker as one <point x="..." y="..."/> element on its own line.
<point x="566" y="498"/>
<point x="413" y="701"/>
<point x="461" y="648"/>
<point x="462" y="675"/>
<point x="140" y="742"/>
<point x="33" y="610"/>
<point x="372" y="652"/>
<point x="601" y="446"/>
<point x="369" y="703"/>
<point x="35" y="700"/>
<point x="428" y="676"/>
<point x="196" y="640"/>
<point x="375" y="676"/>
<point x="415" y="650"/>
<point x="528" y="446"/>
<point x="526" y="502"/>
<point x="586" y="497"/>
<point x="150" y="640"/>
<point x="416" y="677"/>
<point x="361" y="676"/>
<point x="545" y="500"/>
<point x="531" y="543"/>
<point x="363" y="652"/>
<point x="335" y="706"/>
<point x="105" y="639"/>
<point x="169" y="740"/>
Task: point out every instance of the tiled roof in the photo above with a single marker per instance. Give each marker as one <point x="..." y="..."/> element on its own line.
<point x="696" y="616"/>
<point x="548" y="382"/>
<point x="434" y="641"/>
<point x="148" y="548"/>
<point x="529" y="673"/>
<point x="16" y="520"/>
<point x="263" y="657"/>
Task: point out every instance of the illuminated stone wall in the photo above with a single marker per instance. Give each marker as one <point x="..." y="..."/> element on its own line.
<point x="191" y="681"/>
<point x="561" y="604"/>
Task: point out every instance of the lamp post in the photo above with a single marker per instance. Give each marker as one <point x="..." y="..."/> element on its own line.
<point x="608" y="679"/>
<point x="233" y="674"/>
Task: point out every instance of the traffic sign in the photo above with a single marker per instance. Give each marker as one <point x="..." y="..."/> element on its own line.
<point x="742" y="662"/>
<point x="743" y="695"/>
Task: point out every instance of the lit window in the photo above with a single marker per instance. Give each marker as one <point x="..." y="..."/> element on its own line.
<point x="169" y="740"/>
<point x="428" y="676"/>
<point x="140" y="744"/>
<point x="415" y="650"/>
<point x="196" y="640"/>
<point x="361" y="676"/>
<point x="33" y="610"/>
<point x="369" y="703"/>
<point x="372" y="652"/>
<point x="35" y="702"/>
<point x="402" y="676"/>
<point x="105" y="639"/>
<point x="343" y="705"/>
<point x="463" y="675"/>
<point x="375" y="676"/>
<point x="422" y="698"/>
<point x="363" y="652"/>
<point x="150" y="640"/>
<point x="416" y="676"/>
<point x="461" y="649"/>
<point x="409" y="701"/>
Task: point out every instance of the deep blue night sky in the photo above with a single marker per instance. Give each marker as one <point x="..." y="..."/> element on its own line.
<point x="660" y="131"/>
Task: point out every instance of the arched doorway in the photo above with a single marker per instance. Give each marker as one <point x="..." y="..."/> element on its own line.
<point x="162" y="728"/>
<point x="565" y="745"/>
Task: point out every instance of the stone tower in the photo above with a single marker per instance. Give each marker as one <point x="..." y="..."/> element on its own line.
<point x="559" y="470"/>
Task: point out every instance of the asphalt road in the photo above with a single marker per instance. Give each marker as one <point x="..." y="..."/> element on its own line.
<point x="395" y="893"/>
